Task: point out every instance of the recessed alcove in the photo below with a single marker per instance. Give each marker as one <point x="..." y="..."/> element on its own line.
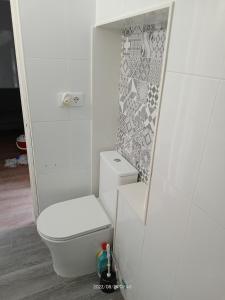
<point x="128" y="66"/>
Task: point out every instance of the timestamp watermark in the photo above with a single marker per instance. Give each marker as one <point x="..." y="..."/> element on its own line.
<point x="109" y="286"/>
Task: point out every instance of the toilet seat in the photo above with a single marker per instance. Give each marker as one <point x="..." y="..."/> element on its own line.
<point x="72" y="218"/>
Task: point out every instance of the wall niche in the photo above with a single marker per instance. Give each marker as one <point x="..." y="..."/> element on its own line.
<point x="142" y="50"/>
<point x="129" y="60"/>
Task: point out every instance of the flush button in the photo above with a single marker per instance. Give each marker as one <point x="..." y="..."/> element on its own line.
<point x="117" y="160"/>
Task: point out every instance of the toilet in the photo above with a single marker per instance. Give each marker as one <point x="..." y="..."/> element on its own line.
<point x="73" y="230"/>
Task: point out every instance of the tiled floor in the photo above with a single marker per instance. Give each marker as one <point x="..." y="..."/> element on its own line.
<point x="26" y="272"/>
<point x="15" y="196"/>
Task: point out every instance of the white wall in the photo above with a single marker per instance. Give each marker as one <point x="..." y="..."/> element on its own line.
<point x="183" y="254"/>
<point x="57" y="49"/>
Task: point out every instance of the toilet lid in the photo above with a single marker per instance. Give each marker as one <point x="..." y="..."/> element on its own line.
<point x="72" y="218"/>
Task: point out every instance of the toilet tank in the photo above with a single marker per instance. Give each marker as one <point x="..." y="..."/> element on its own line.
<point x="114" y="171"/>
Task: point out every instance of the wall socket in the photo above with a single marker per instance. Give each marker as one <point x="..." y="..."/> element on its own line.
<point x="71" y="99"/>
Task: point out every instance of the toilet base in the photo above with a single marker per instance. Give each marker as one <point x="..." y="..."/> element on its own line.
<point x="77" y="257"/>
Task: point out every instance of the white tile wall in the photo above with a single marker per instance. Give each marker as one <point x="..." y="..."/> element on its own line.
<point x="128" y="246"/>
<point x="53" y="187"/>
<point x="57" y="48"/>
<point x="62" y="144"/>
<point x="201" y="272"/>
<point x="60" y="76"/>
<point x="44" y="28"/>
<point x="79" y="79"/>
<point x="164" y="237"/>
<point x="210" y="191"/>
<point x="186" y="108"/>
<point x="196" y="44"/>
<point x="63" y="185"/>
<point x="80" y="144"/>
<point x="57" y="30"/>
<point x="80" y="19"/>
<point x="183" y="255"/>
<point x="51" y="146"/>
<point x="46" y="79"/>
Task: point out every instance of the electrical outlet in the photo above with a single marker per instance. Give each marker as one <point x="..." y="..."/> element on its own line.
<point x="71" y="99"/>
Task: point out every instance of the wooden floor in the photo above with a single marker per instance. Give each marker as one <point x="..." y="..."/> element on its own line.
<point x="26" y="272"/>
<point x="16" y="208"/>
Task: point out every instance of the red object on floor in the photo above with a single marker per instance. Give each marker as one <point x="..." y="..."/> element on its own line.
<point x="21" y="143"/>
<point x="21" y="146"/>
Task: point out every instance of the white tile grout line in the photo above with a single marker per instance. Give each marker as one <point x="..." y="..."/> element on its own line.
<point x="196" y="75"/>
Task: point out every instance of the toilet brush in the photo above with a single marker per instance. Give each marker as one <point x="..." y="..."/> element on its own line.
<point x="108" y="277"/>
<point x="109" y="262"/>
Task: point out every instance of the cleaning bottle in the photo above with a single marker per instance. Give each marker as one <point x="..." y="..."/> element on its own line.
<point x="102" y="259"/>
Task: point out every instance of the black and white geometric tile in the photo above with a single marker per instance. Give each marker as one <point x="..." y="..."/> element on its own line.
<point x="157" y="42"/>
<point x="153" y="95"/>
<point x="140" y="72"/>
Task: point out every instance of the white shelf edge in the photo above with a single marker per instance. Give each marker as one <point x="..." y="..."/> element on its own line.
<point x="135" y="14"/>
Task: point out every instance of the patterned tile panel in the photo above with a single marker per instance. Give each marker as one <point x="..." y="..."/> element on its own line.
<point x="140" y="72"/>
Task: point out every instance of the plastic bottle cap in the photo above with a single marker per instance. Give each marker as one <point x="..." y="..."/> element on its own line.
<point x="104" y="245"/>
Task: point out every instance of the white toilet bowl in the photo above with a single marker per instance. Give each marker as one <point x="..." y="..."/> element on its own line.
<point x="73" y="230"/>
